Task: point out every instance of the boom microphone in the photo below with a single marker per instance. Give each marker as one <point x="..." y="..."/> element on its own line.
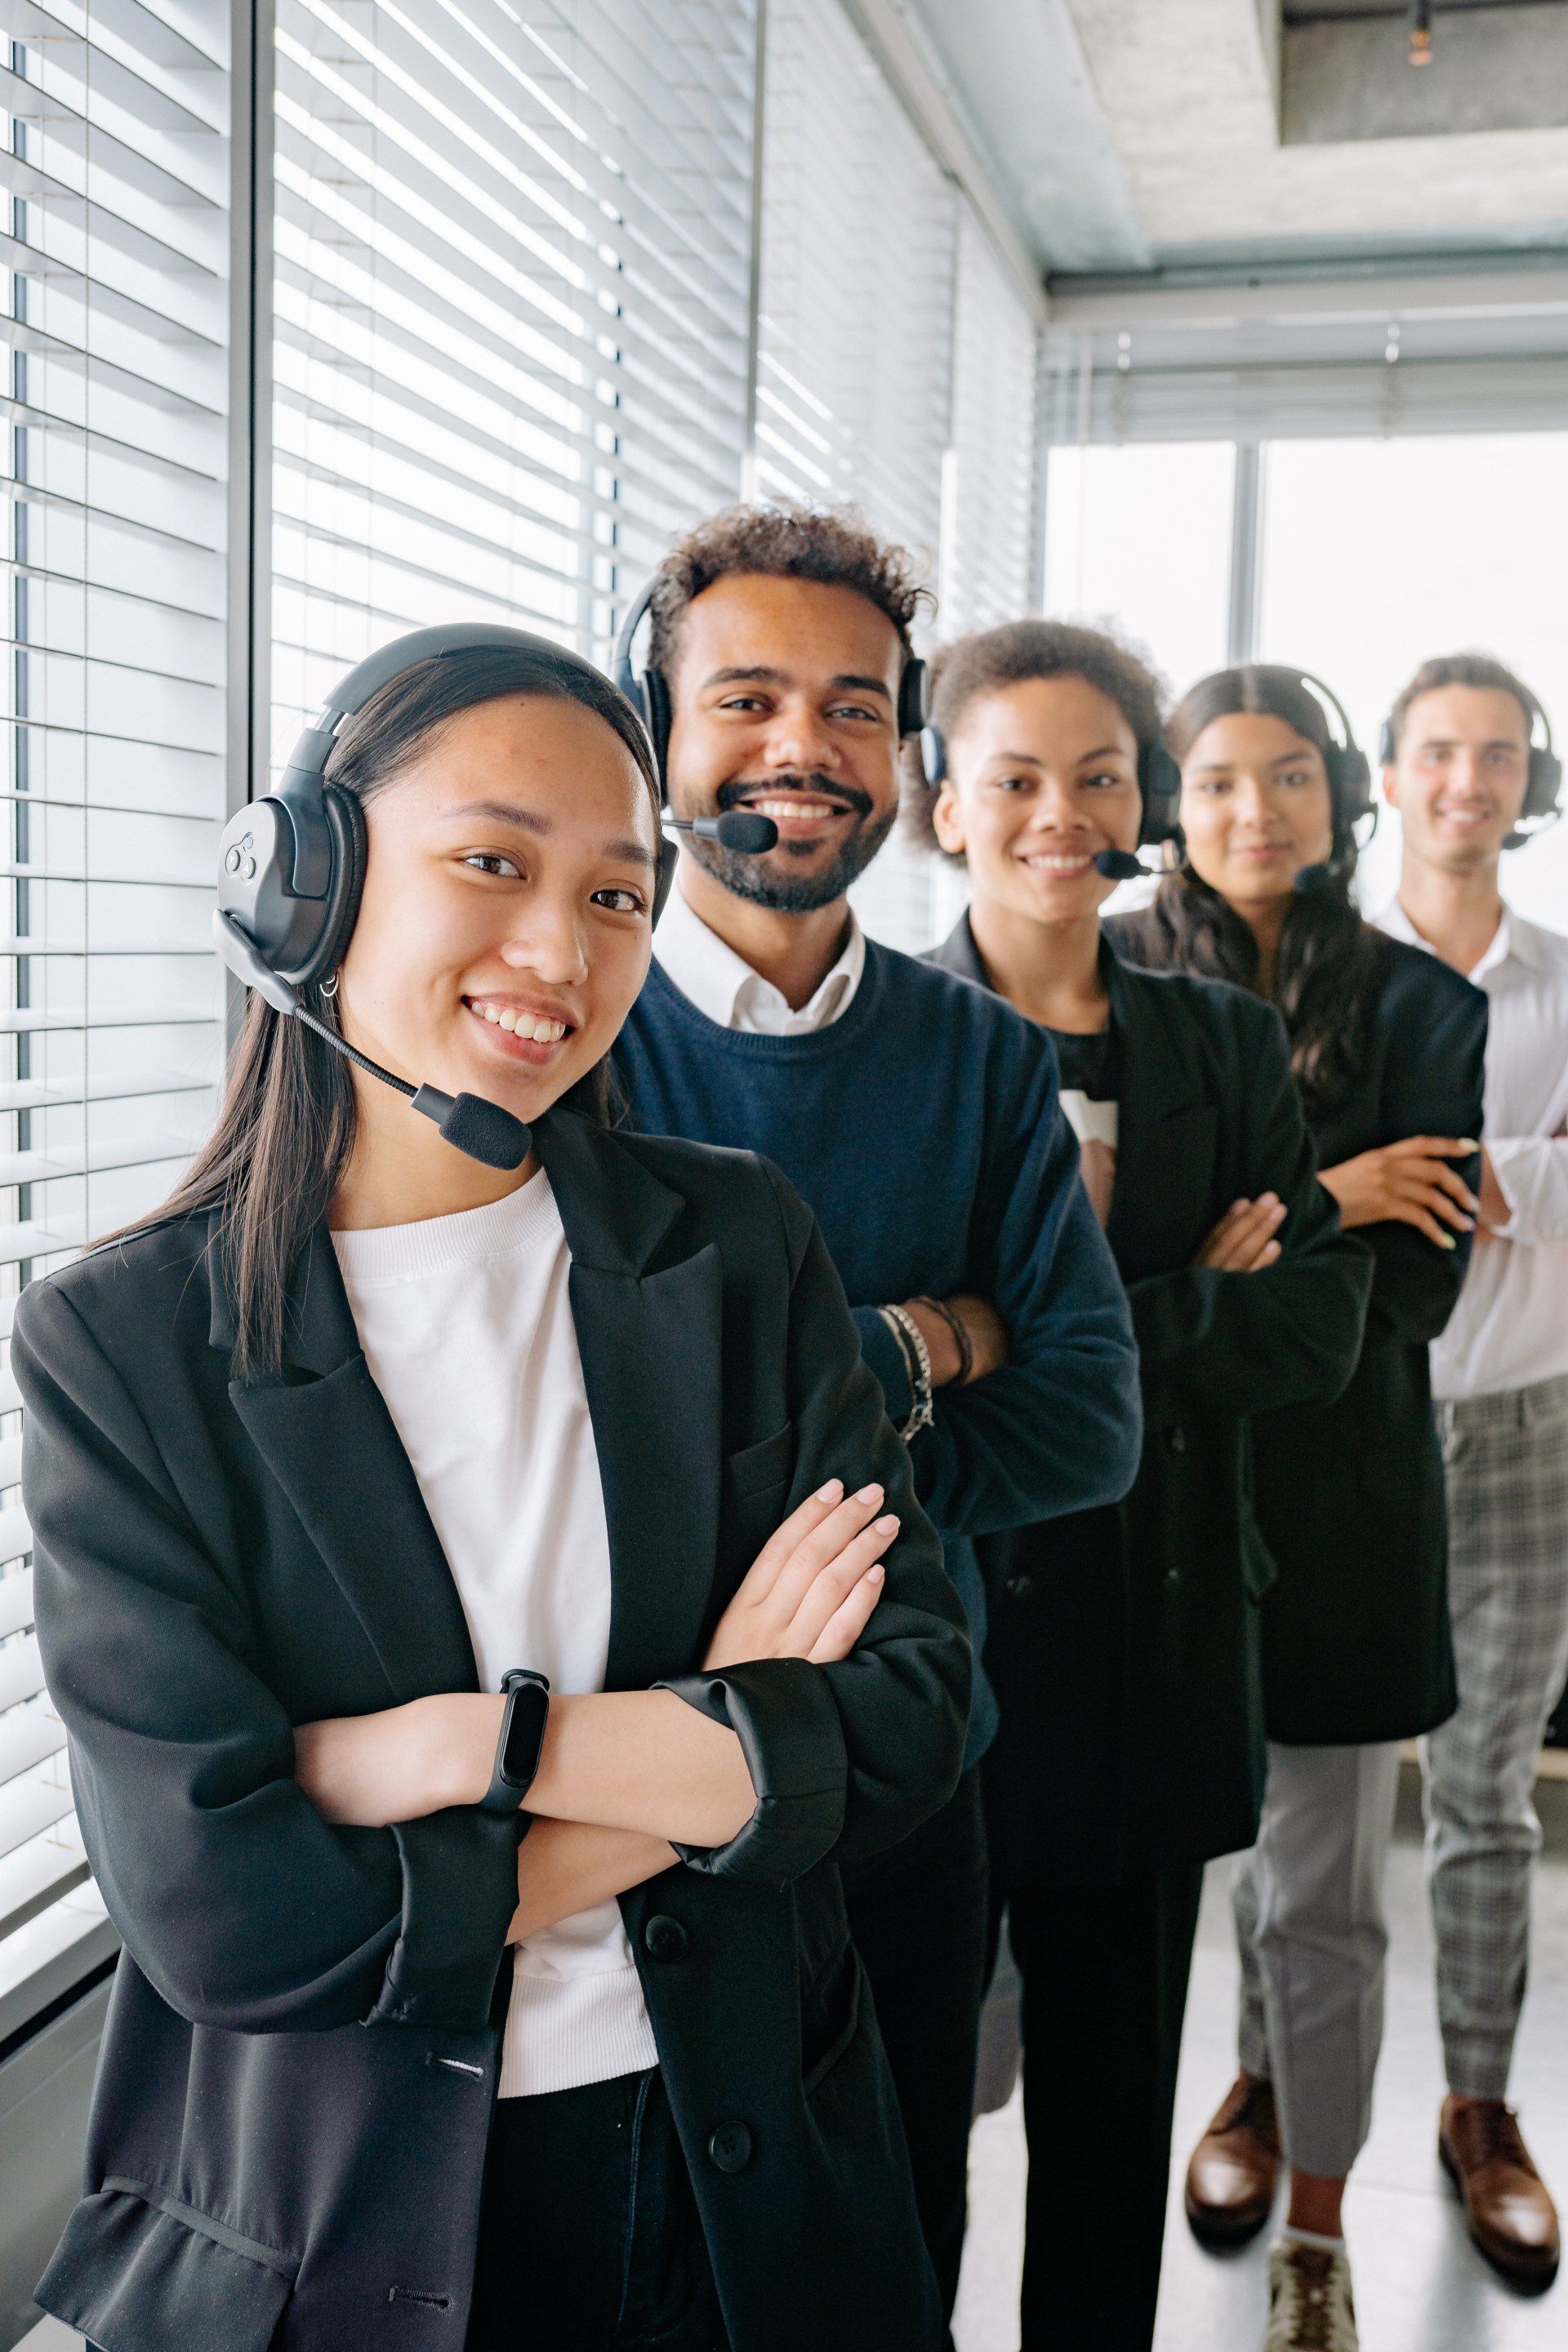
<point x="481" y="1128"/>
<point x="1118" y="866"/>
<point x="1313" y="877"/>
<point x="736" y="829"/>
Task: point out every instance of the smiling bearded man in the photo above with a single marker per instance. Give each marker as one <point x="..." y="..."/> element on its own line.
<point x="919" y="1115"/>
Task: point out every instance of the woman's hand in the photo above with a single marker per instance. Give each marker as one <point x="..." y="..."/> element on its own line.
<point x="1408" y="1183"/>
<point x="1245" y="1239"/>
<point x="814" y="1585"/>
<point x="402" y="1763"/>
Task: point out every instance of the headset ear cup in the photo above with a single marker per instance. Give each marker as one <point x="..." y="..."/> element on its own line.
<point x="664" y="881"/>
<point x="655" y="700"/>
<point x="1351" y="779"/>
<point x="933" y="756"/>
<point x="1545" y="785"/>
<point x="340" y="910"/>
<point x="914" y="698"/>
<point x="1387" y="745"/>
<point x="1159" y="782"/>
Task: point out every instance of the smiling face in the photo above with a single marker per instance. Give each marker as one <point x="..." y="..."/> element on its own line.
<point x="1042" y="776"/>
<point x="1255" y="807"/>
<point x="507" y="917"/>
<point x="785" y="698"/>
<point x="1460" y="773"/>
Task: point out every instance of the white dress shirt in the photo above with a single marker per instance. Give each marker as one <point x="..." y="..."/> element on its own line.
<point x="466" y="1327"/>
<point x="722" y="984"/>
<point x="1509" y="1329"/>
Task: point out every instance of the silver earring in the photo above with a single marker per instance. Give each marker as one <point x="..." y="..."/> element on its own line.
<point x="329" y="987"/>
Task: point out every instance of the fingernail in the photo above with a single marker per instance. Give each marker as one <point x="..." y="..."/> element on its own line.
<point x="830" y="1493"/>
<point x="1277" y="1211"/>
<point x="1270" y="1200"/>
<point x="876" y="1575"/>
<point x="1240" y="1203"/>
<point x="887" y="1525"/>
<point x="1448" y="1241"/>
<point x="1468" y="1143"/>
<point x="869" y="1494"/>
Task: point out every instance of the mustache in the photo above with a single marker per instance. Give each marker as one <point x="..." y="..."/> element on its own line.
<point x="845" y="796"/>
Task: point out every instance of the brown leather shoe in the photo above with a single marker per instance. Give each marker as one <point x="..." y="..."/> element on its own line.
<point x="1513" y="2219"/>
<point x="1235" y="2167"/>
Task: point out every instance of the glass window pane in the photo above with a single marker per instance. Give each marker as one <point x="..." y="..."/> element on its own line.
<point x="1376" y="554"/>
<point x="1138" y="538"/>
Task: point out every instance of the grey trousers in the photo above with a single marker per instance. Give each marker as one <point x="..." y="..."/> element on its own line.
<point x="1507" y="1462"/>
<point x="1308" y="1900"/>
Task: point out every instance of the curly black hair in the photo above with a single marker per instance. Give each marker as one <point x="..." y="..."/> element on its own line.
<point x="834" y="546"/>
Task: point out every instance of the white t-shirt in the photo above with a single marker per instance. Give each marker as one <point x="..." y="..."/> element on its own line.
<point x="466" y="1327"/>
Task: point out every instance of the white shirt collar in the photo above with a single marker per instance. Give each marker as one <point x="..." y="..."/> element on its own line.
<point x="1510" y="938"/>
<point x="722" y="984"/>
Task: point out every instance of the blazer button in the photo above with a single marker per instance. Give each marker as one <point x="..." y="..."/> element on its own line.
<point x="1177" y="1440"/>
<point x="1019" y="1585"/>
<point x="730" y="2147"/>
<point x="665" y="1937"/>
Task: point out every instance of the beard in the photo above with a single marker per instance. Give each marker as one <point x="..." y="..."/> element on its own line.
<point x="762" y="882"/>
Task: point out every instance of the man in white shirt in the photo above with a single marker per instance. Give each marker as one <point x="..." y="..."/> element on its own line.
<point x="1461" y="767"/>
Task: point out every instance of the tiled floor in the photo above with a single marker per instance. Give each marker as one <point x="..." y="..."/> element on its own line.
<point x="1419" y="2288"/>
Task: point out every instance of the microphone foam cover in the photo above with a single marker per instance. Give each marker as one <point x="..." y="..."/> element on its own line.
<point x="739" y="829"/>
<point x="1118" y="866"/>
<point x="1313" y="877"/>
<point x="487" y="1132"/>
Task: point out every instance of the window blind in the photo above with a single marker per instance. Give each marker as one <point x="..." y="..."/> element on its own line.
<point x="992" y="523"/>
<point x="513" y="280"/>
<point x="114" y="172"/>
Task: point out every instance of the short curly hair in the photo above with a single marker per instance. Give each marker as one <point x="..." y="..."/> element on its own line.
<point x="834" y="546"/>
<point x="1019" y="650"/>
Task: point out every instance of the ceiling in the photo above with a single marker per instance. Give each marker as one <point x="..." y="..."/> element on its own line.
<point x="1136" y="138"/>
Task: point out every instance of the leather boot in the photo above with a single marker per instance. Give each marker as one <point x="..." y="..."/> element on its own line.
<point x="1235" y="2167"/>
<point x="1511" y="2218"/>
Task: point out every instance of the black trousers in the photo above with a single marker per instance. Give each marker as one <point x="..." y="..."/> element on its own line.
<point x="1105" y="1971"/>
<point x="589" y="2234"/>
<point x="918" y="1919"/>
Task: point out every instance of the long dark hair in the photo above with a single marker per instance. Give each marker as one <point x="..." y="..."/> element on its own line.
<point x="1324" y="969"/>
<point x="286" y="1129"/>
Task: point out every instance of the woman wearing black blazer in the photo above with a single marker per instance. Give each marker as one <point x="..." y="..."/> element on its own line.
<point x="1387" y="1053"/>
<point x="261" y="1616"/>
<point x="1124" y="1642"/>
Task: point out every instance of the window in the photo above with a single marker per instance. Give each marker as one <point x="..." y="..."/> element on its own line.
<point x="513" y="255"/>
<point x="1138" y="539"/>
<point x="1377" y="554"/>
<point x="991" y="524"/>
<point x="115" y="141"/>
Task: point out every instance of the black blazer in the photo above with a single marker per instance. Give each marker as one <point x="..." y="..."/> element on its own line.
<point x="1356" y="1644"/>
<point x="1125" y="1641"/>
<point x="294" y="2096"/>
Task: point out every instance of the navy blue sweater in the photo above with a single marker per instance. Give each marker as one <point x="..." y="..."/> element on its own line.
<point x="923" y="1129"/>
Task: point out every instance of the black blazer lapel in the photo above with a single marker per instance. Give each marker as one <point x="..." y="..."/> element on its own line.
<point x="650" y="1343"/>
<point x="1166" y="1132"/>
<point x="327" y="1437"/>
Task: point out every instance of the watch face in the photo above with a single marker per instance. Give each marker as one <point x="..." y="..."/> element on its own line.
<point x="525" y="1734"/>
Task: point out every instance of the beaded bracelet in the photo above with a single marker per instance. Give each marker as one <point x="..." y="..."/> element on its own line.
<point x="960" y="1330"/>
<point x="916" y="1365"/>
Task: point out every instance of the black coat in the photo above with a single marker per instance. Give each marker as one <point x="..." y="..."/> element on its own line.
<point x="1356" y="1644"/>
<point x="1124" y="1647"/>
<point x="290" y="2120"/>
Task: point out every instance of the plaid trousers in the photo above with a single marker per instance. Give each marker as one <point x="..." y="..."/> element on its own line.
<point x="1506" y="1458"/>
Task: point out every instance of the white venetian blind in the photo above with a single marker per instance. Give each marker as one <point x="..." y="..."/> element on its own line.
<point x="512" y="294"/>
<point x="992" y="525"/>
<point x="855" y="341"/>
<point x="113" y="256"/>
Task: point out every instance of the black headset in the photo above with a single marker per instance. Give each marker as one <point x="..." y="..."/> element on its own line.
<point x="648" y="688"/>
<point x="291" y="868"/>
<point x="1350" y="771"/>
<point x="1543" y="785"/>
<point x="1159" y="785"/>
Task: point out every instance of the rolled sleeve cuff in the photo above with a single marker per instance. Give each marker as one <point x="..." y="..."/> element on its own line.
<point x="885" y="1358"/>
<point x="460" y="1892"/>
<point x="784" y="1714"/>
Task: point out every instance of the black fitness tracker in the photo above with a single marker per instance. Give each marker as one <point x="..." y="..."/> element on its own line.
<point x="521" y="1741"/>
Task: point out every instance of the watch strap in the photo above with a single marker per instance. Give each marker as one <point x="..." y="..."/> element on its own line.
<point x="505" y="1793"/>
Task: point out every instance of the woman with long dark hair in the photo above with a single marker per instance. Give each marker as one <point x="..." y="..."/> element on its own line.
<point x="388" y="1504"/>
<point x="1124" y="1645"/>
<point x="1387" y="1052"/>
